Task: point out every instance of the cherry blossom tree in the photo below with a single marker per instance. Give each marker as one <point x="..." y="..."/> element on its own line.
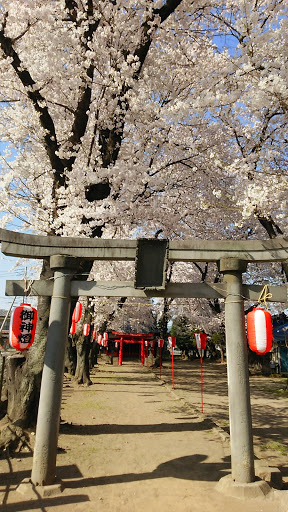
<point x="83" y="113"/>
<point x="250" y="102"/>
<point x="121" y="119"/>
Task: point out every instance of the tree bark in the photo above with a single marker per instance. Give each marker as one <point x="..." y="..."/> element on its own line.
<point x="163" y="322"/>
<point x="24" y="375"/>
<point x="82" y="374"/>
<point x="71" y="356"/>
<point x="273" y="230"/>
<point x="93" y="354"/>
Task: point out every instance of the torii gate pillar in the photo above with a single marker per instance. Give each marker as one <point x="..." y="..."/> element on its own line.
<point x="47" y="430"/>
<point x="242" y="457"/>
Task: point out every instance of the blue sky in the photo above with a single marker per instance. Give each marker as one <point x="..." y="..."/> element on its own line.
<point x="10" y="268"/>
<point x="7" y="271"/>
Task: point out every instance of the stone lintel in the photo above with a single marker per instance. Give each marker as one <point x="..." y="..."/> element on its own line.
<point x="126" y="288"/>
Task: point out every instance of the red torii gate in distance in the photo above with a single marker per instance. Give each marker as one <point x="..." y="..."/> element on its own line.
<point x="125" y="337"/>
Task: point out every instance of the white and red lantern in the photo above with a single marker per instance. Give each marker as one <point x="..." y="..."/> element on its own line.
<point x="72" y="328"/>
<point x="160" y="343"/>
<point x="259" y="331"/>
<point x="105" y="339"/>
<point x="86" y="329"/>
<point x="99" y="339"/>
<point x="77" y="312"/>
<point x="172" y="341"/>
<point x="146" y="343"/>
<point x="94" y="334"/>
<point x="22" y="327"/>
<point x="201" y="340"/>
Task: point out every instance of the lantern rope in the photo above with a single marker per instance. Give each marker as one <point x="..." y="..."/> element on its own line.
<point x="28" y="286"/>
<point x="264" y="296"/>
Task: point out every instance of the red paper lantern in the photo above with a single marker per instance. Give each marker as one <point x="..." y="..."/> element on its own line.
<point x="172" y="341"/>
<point x="77" y="312"/>
<point x="94" y="335"/>
<point x="22" y="327"/>
<point x="259" y="331"/>
<point x="160" y="343"/>
<point x="201" y="339"/>
<point x="86" y="329"/>
<point x="99" y="339"/>
<point x="146" y="343"/>
<point x="73" y="328"/>
<point x="105" y="339"/>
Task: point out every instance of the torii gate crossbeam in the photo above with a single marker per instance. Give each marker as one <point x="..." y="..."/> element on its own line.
<point x="36" y="246"/>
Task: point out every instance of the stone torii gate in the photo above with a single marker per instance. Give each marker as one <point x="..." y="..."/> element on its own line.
<point x="151" y="258"/>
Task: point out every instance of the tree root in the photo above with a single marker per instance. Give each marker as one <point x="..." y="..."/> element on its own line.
<point x="13" y="438"/>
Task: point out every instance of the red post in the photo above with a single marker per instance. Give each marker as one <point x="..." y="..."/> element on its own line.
<point x="120" y="359"/>
<point x="142" y="352"/>
<point x="201" y="361"/>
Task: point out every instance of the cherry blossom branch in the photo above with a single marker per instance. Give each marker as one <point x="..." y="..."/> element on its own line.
<point x="39" y="103"/>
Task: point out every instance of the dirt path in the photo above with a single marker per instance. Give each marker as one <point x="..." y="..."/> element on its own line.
<point x="129" y="443"/>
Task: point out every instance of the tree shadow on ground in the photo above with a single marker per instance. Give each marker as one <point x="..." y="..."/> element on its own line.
<point x="10" y="481"/>
<point x="191" y="467"/>
<point x="43" y="503"/>
<point x="93" y="430"/>
<point x="14" y="478"/>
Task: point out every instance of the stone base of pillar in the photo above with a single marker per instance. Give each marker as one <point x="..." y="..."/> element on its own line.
<point x="27" y="488"/>
<point x="272" y="475"/>
<point x="256" y="489"/>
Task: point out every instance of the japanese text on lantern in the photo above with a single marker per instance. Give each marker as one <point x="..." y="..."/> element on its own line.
<point x="26" y="326"/>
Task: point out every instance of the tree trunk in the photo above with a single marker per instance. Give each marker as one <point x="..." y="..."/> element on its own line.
<point x="163" y="322"/>
<point x="222" y="354"/>
<point x="259" y="363"/>
<point x="82" y="374"/>
<point x="24" y="374"/>
<point x="93" y="354"/>
<point x="71" y="356"/>
<point x="273" y="231"/>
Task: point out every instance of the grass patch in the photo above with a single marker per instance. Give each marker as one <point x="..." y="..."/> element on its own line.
<point x="275" y="446"/>
<point x="223" y="423"/>
<point x="90" y="404"/>
<point x="107" y="379"/>
<point x="278" y="392"/>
